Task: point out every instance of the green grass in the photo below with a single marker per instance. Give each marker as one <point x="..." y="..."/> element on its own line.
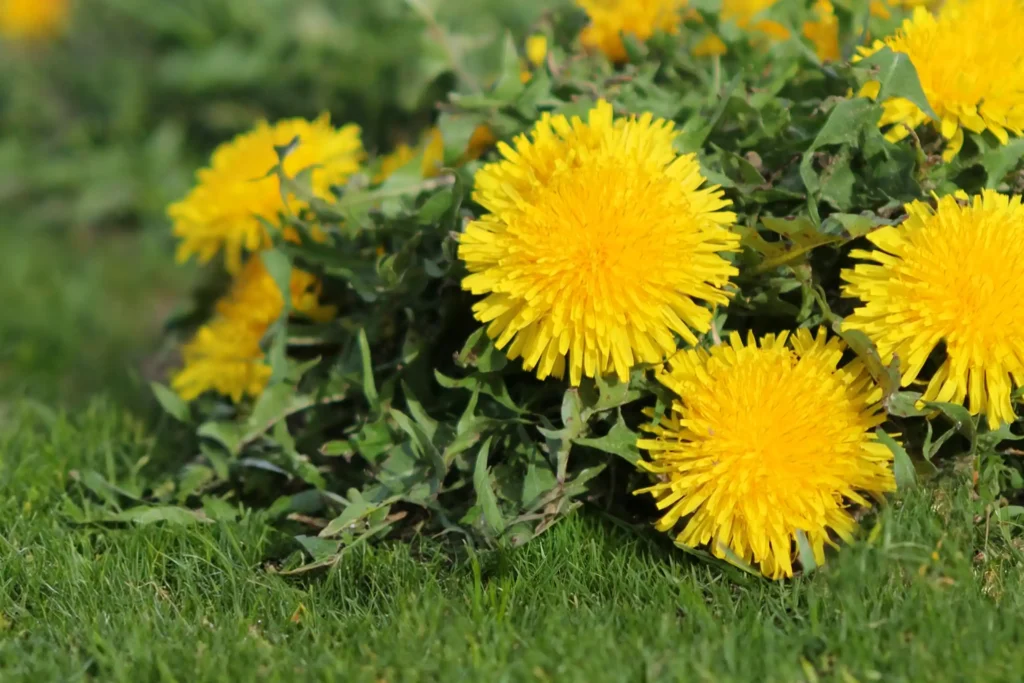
<point x="587" y="601"/>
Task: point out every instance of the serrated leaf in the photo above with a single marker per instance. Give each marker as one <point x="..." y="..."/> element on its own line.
<point x="620" y="440"/>
<point x="898" y="78"/>
<point x="962" y="420"/>
<point x="1001" y="160"/>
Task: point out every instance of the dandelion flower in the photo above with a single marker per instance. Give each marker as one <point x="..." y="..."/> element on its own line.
<point x="597" y="242"/>
<point x="255" y="296"/>
<point x="226" y="357"/>
<point x="432" y="149"/>
<point x="967" y="58"/>
<point x="609" y="19"/>
<point x="33" y="19"/>
<point x="823" y="31"/>
<point x="747" y="15"/>
<point x="953" y="275"/>
<point x="226" y="354"/>
<point x="224" y="210"/>
<point x="766" y="440"/>
<point x="536" y="53"/>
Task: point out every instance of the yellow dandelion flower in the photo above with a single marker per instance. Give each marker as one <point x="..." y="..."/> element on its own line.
<point x="483" y="138"/>
<point x="432" y="149"/>
<point x="764" y="441"/>
<point x="33" y="19"/>
<point x="823" y="31"/>
<point x="967" y="59"/>
<point x="954" y="274"/>
<point x="536" y="53"/>
<point x="224" y="210"/>
<point x="597" y="241"/>
<point x="536" y="49"/>
<point x="610" y="19"/>
<point x="254" y="296"/>
<point x="747" y="15"/>
<point x="226" y="355"/>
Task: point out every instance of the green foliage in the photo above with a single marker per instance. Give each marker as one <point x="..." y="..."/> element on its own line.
<point x="401" y="416"/>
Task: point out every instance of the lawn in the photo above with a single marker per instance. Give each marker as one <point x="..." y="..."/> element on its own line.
<point x="931" y="592"/>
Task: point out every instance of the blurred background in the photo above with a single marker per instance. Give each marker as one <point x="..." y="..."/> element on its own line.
<point x="108" y="107"/>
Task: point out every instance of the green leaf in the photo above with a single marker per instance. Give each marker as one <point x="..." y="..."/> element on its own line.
<point x="369" y="384"/>
<point x="572" y="413"/>
<point x="1001" y="160"/>
<point x="898" y="78"/>
<point x="358" y="509"/>
<point x="171" y="402"/>
<point x="806" y="552"/>
<point x="491" y="384"/>
<point x="509" y="85"/>
<point x="620" y="440"/>
<point x="903" y="467"/>
<point x="485" y="497"/>
<point x="228" y="434"/>
<point x="904" y="404"/>
<point x="173" y="515"/>
<point x="887" y="377"/>
<point x="435" y="207"/>
<point x="962" y="420"/>
<point x="279" y="266"/>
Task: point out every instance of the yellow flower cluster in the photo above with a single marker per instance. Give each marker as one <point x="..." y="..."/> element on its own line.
<point x="227" y="211"/>
<point x="226" y="355"/>
<point x="641" y="19"/>
<point x="600" y="248"/>
<point x="967" y="57"/>
<point x="33" y="19"/>
<point x="239" y="191"/>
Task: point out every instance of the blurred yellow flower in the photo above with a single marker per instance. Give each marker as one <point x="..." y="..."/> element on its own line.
<point x="747" y="15"/>
<point x="432" y="148"/>
<point x="952" y="275"/>
<point x="223" y="211"/>
<point x="597" y="242"/>
<point x="881" y="8"/>
<point x="536" y="53"/>
<point x="610" y="19"/>
<point x="226" y="355"/>
<point x="764" y="441"/>
<point x="33" y="19"/>
<point x="968" y="61"/>
<point x="823" y="31"/>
